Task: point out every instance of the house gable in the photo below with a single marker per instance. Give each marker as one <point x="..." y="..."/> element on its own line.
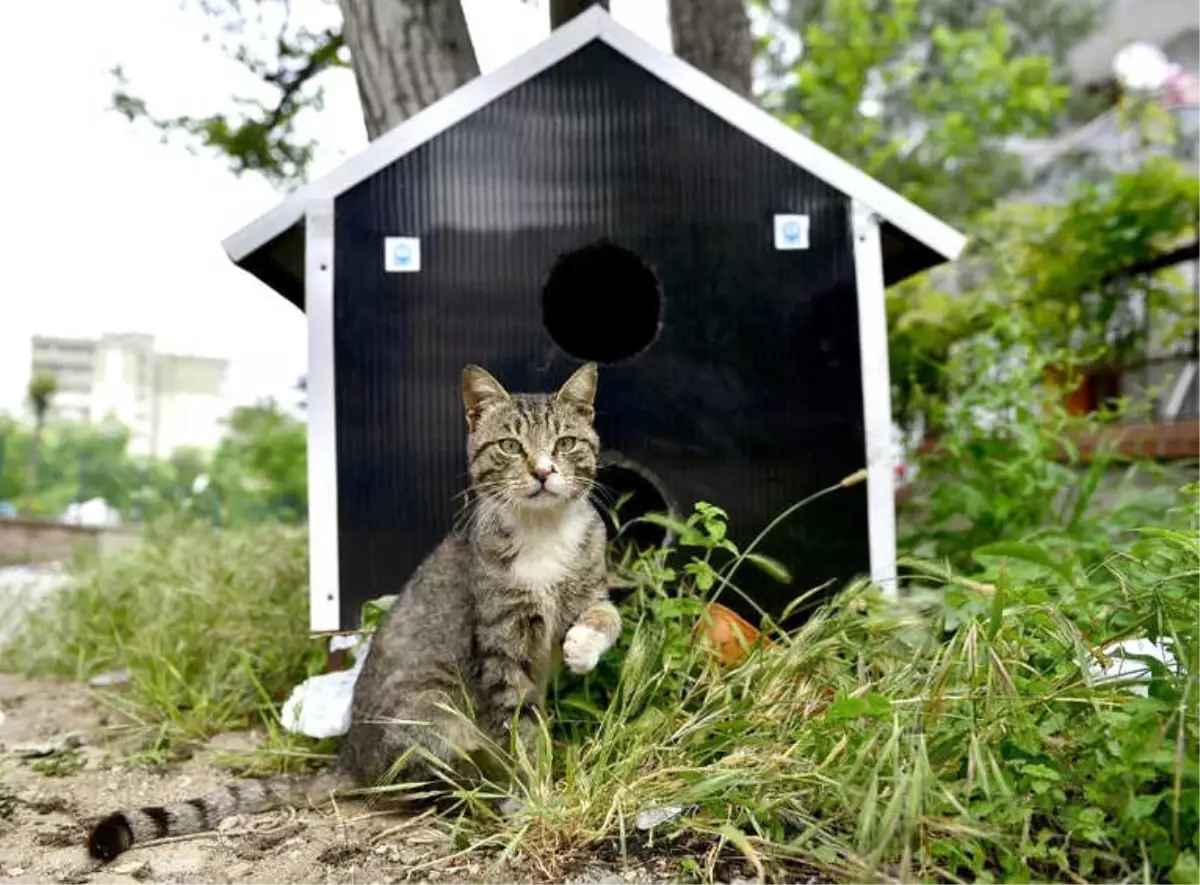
<point x="914" y="239"/>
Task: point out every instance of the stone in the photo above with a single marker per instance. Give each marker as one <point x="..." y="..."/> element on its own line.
<point x="178" y="859"/>
<point x="111" y="677"/>
<point x="60" y="744"/>
<point x="138" y="869"/>
<point x="68" y="862"/>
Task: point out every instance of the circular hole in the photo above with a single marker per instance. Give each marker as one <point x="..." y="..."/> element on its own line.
<point x="602" y="302"/>
<point x="631" y="491"/>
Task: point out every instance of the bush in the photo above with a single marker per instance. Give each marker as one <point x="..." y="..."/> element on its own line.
<point x="1005" y="460"/>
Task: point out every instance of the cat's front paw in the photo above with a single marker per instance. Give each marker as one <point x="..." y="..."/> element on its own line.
<point x="582" y="648"/>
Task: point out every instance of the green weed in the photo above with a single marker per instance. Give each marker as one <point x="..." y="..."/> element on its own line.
<point x="211" y="625"/>
<point x="957" y="735"/>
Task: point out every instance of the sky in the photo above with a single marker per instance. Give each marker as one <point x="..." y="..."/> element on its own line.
<point x="106" y="229"/>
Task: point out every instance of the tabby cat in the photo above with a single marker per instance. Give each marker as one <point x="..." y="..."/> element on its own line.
<point x="480" y="625"/>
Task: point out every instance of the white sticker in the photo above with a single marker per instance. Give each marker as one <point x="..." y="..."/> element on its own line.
<point x="791" y="231"/>
<point x="401" y="254"/>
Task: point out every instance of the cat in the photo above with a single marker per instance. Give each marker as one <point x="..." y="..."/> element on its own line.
<point x="479" y="626"/>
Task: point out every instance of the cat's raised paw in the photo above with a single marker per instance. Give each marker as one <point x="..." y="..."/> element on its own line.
<point x="582" y="648"/>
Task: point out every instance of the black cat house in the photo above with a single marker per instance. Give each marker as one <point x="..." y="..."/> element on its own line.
<point x="596" y="199"/>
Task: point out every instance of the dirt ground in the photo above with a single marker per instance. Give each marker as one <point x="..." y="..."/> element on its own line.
<point x="44" y="818"/>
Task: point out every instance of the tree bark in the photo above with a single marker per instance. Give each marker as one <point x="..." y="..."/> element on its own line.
<point x="31" y="466"/>
<point x="714" y="36"/>
<point x="562" y="11"/>
<point x="406" y="54"/>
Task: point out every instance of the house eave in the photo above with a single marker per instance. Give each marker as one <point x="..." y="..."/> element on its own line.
<point x="596" y="24"/>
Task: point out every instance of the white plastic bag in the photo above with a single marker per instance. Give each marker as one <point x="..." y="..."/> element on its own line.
<point x="320" y="706"/>
<point x="1119" y="666"/>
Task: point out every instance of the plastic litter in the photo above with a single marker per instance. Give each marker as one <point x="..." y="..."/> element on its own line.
<point x="95" y="511"/>
<point x="654" y="817"/>
<point x="1124" y="664"/>
<point x="319" y="707"/>
<point x="109" y="677"/>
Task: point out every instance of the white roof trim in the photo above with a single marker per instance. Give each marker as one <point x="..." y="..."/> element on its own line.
<point x="596" y="24"/>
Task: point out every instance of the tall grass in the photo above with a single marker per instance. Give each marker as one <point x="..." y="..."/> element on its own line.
<point x="211" y="625"/>
<point x="958" y="735"/>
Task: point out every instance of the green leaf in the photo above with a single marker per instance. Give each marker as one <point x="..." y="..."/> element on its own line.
<point x="1041" y="771"/>
<point x="1141" y="807"/>
<point x="1185" y="870"/>
<point x="844" y="709"/>
<point x="665" y="521"/>
<point x="878" y="705"/>
<point x="373" y="610"/>
<point x="772" y="567"/>
<point x="1023" y="552"/>
<point x="874" y="705"/>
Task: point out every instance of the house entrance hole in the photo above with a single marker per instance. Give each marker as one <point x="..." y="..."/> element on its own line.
<point x="602" y="302"/>
<point x="637" y="492"/>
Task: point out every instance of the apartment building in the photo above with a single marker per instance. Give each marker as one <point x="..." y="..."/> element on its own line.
<point x="166" y="400"/>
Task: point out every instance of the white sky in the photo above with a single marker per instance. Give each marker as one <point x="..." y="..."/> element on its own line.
<point x="105" y="229"/>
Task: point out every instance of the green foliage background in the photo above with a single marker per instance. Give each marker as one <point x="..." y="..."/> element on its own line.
<point x="258" y="472"/>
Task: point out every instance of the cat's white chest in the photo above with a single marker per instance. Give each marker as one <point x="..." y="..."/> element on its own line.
<point x="547" y="552"/>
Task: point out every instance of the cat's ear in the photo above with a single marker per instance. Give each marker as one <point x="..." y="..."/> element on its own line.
<point x="580" y="390"/>
<point x="479" y="391"/>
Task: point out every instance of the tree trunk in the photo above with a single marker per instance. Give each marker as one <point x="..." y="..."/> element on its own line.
<point x="714" y="36"/>
<point x="406" y="55"/>
<point x="31" y="466"/>
<point x="562" y="11"/>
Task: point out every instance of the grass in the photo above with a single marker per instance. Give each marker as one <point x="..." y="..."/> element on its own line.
<point x="211" y="626"/>
<point x="959" y="735"/>
<point x="956" y="735"/>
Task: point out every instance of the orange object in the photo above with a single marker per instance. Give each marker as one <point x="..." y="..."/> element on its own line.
<point x="1084" y="389"/>
<point x="729" y="634"/>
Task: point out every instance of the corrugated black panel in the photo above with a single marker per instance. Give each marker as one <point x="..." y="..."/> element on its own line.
<point x="749" y="398"/>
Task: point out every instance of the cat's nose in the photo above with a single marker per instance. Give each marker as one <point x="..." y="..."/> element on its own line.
<point x="543" y="468"/>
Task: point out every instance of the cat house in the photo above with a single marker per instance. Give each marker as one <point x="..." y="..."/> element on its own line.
<point x="597" y="199"/>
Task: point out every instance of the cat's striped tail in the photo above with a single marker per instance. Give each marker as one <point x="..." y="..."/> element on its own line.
<point x="122" y="830"/>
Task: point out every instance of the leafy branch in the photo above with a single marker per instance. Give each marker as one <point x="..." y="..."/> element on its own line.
<point x="256" y="135"/>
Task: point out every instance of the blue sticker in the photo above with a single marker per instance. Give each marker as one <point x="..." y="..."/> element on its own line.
<point x="791" y="231"/>
<point x="402" y="254"/>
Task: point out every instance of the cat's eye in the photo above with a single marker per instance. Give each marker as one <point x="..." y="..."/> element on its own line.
<point x="564" y="444"/>
<point x="510" y="447"/>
